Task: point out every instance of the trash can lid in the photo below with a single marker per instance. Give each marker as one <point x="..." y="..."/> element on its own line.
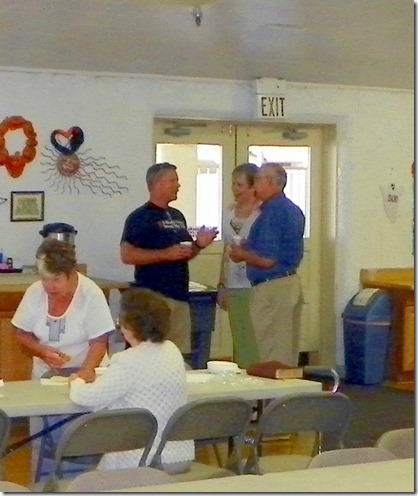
<point x="57" y="227"/>
<point x="375" y="306"/>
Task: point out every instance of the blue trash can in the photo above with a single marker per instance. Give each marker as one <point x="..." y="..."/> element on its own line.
<point x="202" y="304"/>
<point x="367" y="323"/>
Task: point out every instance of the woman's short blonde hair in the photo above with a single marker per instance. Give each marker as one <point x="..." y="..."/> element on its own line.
<point x="56" y="257"/>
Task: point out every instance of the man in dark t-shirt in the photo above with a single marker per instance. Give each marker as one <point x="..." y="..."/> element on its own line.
<point x="155" y="239"/>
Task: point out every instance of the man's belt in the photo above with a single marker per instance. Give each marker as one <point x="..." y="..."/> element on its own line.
<point x="265" y="279"/>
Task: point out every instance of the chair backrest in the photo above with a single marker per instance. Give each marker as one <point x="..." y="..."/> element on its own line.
<point x="105" y="431"/>
<point x="350" y="456"/>
<point x="13" y="487"/>
<point x="207" y="419"/>
<point x="322" y="412"/>
<point x="5" y="426"/>
<point x="400" y="442"/>
<point x="104" y="480"/>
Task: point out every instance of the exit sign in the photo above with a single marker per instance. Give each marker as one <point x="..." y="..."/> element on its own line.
<point x="271" y="106"/>
<point x="270" y="98"/>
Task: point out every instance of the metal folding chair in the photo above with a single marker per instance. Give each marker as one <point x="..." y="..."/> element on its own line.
<point x="101" y="432"/>
<point x="99" y="480"/>
<point x="213" y="420"/>
<point x="5" y="426"/>
<point x="326" y="375"/>
<point x="400" y="442"/>
<point x="348" y="456"/>
<point x="51" y="425"/>
<point x="13" y="487"/>
<point x="323" y="413"/>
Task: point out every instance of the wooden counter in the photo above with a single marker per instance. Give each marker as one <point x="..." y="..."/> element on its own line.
<point x="399" y="282"/>
<point x="15" y="364"/>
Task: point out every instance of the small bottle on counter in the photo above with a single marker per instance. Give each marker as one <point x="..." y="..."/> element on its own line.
<point x="9" y="262"/>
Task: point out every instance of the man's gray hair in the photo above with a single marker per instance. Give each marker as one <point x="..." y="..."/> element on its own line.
<point x="155" y="170"/>
<point x="277" y="172"/>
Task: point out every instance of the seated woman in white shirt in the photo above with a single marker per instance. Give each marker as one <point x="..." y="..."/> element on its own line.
<point x="150" y="374"/>
<point x="63" y="322"/>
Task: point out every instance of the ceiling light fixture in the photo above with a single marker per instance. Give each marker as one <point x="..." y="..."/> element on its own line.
<point x="177" y="131"/>
<point x="294" y="134"/>
<point x="197" y="14"/>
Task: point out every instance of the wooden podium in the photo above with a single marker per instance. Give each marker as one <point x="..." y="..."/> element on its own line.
<point x="399" y="283"/>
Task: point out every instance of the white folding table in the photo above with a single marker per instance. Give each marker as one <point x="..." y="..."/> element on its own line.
<point x="394" y="476"/>
<point x="31" y="398"/>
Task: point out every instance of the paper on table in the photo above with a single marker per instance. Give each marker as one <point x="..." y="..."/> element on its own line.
<point x="198" y="377"/>
<point x="55" y="380"/>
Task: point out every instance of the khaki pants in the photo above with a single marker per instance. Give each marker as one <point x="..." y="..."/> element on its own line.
<point x="180" y="324"/>
<point x="275" y="309"/>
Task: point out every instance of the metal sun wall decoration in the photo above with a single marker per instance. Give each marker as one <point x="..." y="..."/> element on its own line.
<point x="67" y="171"/>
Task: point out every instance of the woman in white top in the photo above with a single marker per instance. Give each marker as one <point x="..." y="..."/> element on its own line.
<point x="150" y="374"/>
<point x="234" y="287"/>
<point x="63" y="319"/>
<point x="63" y="322"/>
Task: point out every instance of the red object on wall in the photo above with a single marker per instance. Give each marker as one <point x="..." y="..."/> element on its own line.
<point x="15" y="164"/>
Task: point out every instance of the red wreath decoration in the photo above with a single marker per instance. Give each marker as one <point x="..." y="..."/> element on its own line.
<point x="16" y="163"/>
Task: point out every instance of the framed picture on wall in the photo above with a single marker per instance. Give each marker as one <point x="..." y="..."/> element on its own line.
<point x="26" y="206"/>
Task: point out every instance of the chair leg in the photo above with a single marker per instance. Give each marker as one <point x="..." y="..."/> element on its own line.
<point x="218" y="454"/>
<point x="260" y="408"/>
<point x="47" y="442"/>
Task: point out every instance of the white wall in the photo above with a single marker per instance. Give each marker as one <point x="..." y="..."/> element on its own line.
<point x="375" y="135"/>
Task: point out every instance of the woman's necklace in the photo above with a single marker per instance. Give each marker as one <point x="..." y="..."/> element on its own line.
<point x="242" y="214"/>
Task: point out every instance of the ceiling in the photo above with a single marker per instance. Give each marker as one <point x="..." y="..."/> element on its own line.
<point x="347" y="42"/>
